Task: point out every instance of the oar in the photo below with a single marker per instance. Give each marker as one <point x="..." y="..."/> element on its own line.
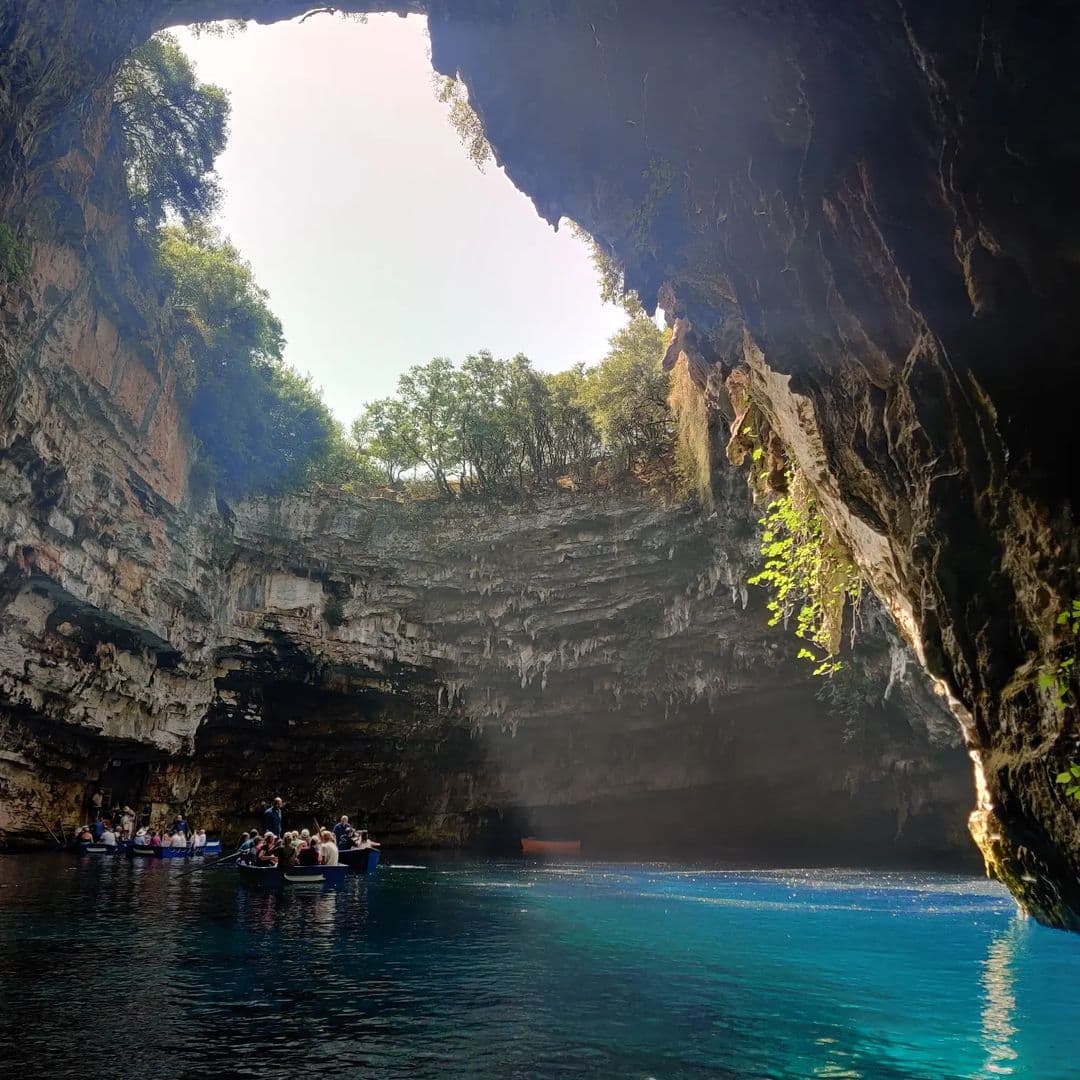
<point x="223" y="859"/>
<point x="210" y="866"/>
<point x="49" y="831"/>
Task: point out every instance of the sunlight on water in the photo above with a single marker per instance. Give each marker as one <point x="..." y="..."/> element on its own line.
<point x="455" y="968"/>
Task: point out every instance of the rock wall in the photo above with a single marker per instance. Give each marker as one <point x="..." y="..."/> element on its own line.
<point x="464" y="674"/>
<point x="864" y="211"/>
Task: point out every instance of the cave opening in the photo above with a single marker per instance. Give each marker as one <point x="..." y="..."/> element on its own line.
<point x="375" y="229"/>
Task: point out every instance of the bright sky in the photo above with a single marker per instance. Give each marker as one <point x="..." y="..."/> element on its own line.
<point x="380" y="243"/>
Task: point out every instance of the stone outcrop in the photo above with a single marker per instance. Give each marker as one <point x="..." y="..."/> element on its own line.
<point x="863" y="210"/>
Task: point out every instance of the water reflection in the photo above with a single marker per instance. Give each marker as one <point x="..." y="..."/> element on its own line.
<point x="999" y="1001"/>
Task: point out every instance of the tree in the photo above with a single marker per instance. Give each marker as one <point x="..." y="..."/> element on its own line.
<point x="626" y="394"/>
<point x="431" y="418"/>
<point x="173" y="127"/>
<point x="262" y="425"/>
<point x="382" y="436"/>
<point x="574" y="438"/>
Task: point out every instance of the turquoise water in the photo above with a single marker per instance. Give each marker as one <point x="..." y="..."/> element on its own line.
<point x="514" y="969"/>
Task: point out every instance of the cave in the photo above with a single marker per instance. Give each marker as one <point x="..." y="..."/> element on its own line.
<point x="858" y="220"/>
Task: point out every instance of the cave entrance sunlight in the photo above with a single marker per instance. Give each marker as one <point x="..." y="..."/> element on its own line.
<point x="380" y="242"/>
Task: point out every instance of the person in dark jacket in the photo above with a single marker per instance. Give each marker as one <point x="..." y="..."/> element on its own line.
<point x="272" y="818"/>
<point x="341" y="829"/>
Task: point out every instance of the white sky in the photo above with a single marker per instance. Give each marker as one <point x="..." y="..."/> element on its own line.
<point x="380" y="243"/>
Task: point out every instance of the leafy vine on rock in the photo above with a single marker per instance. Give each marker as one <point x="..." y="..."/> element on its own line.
<point x="808" y="572"/>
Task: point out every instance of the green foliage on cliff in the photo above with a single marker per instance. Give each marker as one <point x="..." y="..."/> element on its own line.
<point x="808" y="572"/>
<point x="1059" y="680"/>
<point x="610" y="274"/>
<point x="14" y="255"/>
<point x="658" y="176"/>
<point x="497" y="427"/>
<point x="1070" y="781"/>
<point x="173" y="128"/>
<point x="453" y="93"/>
<point x="261" y="424"/>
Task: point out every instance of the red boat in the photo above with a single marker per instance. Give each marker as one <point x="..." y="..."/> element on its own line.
<point x="530" y="845"/>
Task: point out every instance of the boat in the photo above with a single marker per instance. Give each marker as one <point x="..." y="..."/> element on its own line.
<point x="143" y="851"/>
<point x="277" y="877"/>
<point x="152" y="851"/>
<point x="530" y="845"/>
<point x="360" y="860"/>
<point x="89" y="847"/>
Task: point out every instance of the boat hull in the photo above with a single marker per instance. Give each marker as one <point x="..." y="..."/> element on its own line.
<point x="87" y="848"/>
<point x="530" y="845"/>
<point x="360" y="860"/>
<point x="143" y="851"/>
<point x="274" y="877"/>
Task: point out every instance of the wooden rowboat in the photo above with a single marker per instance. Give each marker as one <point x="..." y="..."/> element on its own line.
<point x="530" y="845"/>
<point x="276" y="877"/>
<point x="360" y="860"/>
<point x="143" y="851"/>
<point x="86" y="847"/>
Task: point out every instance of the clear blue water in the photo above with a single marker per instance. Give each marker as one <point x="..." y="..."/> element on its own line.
<point x="511" y="969"/>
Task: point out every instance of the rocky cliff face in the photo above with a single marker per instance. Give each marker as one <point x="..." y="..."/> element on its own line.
<point x="862" y="212"/>
<point x="583" y="664"/>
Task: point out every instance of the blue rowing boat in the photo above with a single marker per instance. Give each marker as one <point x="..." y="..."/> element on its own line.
<point x="277" y="877"/>
<point x="150" y="851"/>
<point x="360" y="860"/>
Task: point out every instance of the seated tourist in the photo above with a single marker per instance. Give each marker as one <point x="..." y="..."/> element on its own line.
<point x="155" y="840"/>
<point x="108" y="837"/>
<point x="309" y="854"/>
<point x="86" y="835"/>
<point x="141" y="837"/>
<point x="198" y="839"/>
<point x="287" y="854"/>
<point x="179" y="840"/>
<point x="348" y="840"/>
<point x="245" y="843"/>
<point x="328" y="850"/>
<point x="266" y="853"/>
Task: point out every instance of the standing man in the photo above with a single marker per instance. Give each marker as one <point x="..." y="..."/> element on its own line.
<point x="341" y="829"/>
<point x="272" y="817"/>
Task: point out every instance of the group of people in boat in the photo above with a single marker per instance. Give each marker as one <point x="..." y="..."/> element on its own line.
<point x="303" y="847"/>
<point x="108" y="832"/>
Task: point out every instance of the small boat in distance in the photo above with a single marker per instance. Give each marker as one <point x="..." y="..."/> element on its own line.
<point x="530" y="845"/>
<point x="276" y="877"/>
<point x="151" y="851"/>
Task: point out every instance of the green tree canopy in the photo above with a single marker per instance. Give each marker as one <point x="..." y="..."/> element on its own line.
<point x="383" y="436"/>
<point x="626" y="393"/>
<point x="173" y="127"/>
<point x="262" y="425"/>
